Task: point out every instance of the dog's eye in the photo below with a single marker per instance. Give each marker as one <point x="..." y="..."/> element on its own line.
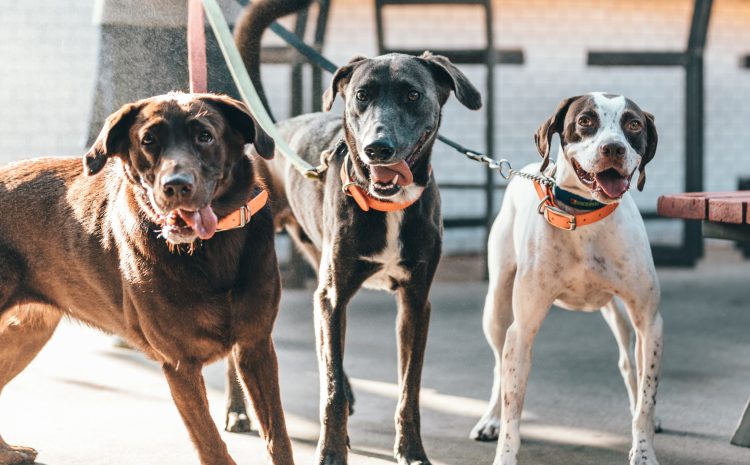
<point x="635" y="125"/>
<point x="413" y="96"/>
<point x="205" y="137"/>
<point x="585" y="121"/>
<point x="361" y="95"/>
<point x="147" y="139"/>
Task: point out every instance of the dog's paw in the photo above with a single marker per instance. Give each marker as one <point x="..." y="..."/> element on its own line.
<point x="332" y="459"/>
<point x="413" y="461"/>
<point x="657" y="425"/>
<point x="487" y="429"/>
<point x="237" y="423"/>
<point x="13" y="455"/>
<point x="413" y="457"/>
<point x="349" y="395"/>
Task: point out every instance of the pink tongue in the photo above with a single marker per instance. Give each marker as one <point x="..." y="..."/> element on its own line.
<point x="203" y="221"/>
<point x="385" y="174"/>
<point x="612" y="183"/>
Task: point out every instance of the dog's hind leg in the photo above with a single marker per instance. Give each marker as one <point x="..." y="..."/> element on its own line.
<point x="498" y="316"/>
<point x="24" y="330"/>
<point x="237" y="419"/>
<point x="616" y="318"/>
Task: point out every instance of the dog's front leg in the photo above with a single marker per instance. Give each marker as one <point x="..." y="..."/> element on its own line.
<point x="189" y="394"/>
<point x="411" y="331"/>
<point x="648" y="329"/>
<point x="530" y="308"/>
<point x="330" y="327"/>
<point x="331" y="298"/>
<point x="258" y="369"/>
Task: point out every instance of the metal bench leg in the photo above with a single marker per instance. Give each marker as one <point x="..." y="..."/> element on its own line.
<point x="742" y="435"/>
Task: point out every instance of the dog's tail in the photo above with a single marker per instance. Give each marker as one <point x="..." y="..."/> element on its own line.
<point x="253" y="21"/>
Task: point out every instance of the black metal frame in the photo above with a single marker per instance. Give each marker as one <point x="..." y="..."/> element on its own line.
<point x="286" y="54"/>
<point x="691" y="60"/>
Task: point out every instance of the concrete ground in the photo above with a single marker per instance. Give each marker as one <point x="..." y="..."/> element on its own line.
<point x="85" y="402"/>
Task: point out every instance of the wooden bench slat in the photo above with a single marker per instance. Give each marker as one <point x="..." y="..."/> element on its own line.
<point x="727" y="210"/>
<point x="681" y="206"/>
<point x="725" y="207"/>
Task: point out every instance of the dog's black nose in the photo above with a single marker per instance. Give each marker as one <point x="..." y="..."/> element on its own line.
<point x="178" y="185"/>
<point x="612" y="149"/>
<point x="381" y="149"/>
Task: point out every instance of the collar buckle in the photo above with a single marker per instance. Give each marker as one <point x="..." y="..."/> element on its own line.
<point x="245" y="216"/>
<point x="552" y="214"/>
<point x="571" y="218"/>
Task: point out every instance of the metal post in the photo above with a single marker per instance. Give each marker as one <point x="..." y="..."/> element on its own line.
<point x="694" y="121"/>
<point x="489" y="187"/>
<point x="692" y="61"/>
<point x="316" y="93"/>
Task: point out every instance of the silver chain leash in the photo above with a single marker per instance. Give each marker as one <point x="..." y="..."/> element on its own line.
<point x="505" y="169"/>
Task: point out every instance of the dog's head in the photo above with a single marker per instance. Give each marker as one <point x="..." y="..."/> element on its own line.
<point x="604" y="138"/>
<point x="392" y="114"/>
<point x="184" y="151"/>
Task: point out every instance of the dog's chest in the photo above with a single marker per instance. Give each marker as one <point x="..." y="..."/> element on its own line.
<point x="391" y="272"/>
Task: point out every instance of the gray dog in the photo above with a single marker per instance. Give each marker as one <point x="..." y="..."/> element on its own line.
<point x="375" y="219"/>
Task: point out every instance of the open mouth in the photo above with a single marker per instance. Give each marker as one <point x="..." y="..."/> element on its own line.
<point x="182" y="222"/>
<point x="388" y="180"/>
<point x="609" y="183"/>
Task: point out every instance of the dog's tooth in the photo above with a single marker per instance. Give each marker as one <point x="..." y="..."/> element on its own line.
<point x="395" y="179"/>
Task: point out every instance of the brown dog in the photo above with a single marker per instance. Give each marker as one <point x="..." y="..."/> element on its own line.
<point x="94" y="248"/>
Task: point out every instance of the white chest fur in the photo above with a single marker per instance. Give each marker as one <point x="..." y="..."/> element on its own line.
<point x="389" y="258"/>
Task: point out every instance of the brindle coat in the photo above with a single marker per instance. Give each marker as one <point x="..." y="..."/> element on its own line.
<point x="83" y="241"/>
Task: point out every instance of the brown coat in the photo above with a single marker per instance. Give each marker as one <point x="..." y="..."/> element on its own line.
<point x="91" y="247"/>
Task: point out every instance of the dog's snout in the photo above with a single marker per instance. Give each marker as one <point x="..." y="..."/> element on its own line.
<point x="178" y="185"/>
<point x="381" y="149"/>
<point x="612" y="149"/>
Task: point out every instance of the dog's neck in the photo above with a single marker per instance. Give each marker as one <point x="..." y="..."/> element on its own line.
<point x="237" y="188"/>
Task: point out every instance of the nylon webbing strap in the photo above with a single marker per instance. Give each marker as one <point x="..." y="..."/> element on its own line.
<point x="245" y="86"/>
<point x="196" y="36"/>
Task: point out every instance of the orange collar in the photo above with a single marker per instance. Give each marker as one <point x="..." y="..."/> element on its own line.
<point x="363" y="198"/>
<point x="239" y="218"/>
<point x="563" y="220"/>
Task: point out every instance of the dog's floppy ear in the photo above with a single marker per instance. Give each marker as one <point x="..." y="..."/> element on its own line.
<point x="448" y="74"/>
<point x="554" y="124"/>
<point x="240" y="119"/>
<point x="339" y="80"/>
<point x="652" y="139"/>
<point x="112" y="140"/>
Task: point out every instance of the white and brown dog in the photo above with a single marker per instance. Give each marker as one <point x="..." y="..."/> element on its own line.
<point x="587" y="250"/>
